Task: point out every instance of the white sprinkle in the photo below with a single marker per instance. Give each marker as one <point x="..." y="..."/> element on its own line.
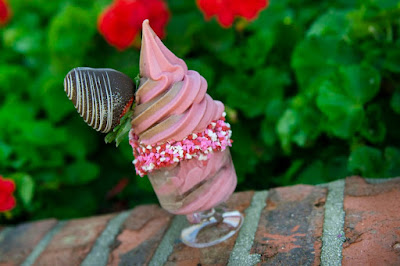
<point x="194" y="136"/>
<point x="202" y="157"/>
<point x="162" y="159"/>
<point x="224" y="114"/>
<point x="148" y="147"/>
<point x="176" y="160"/>
<point x="188" y="156"/>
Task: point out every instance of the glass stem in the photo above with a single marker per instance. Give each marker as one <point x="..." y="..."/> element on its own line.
<point x="198" y="217"/>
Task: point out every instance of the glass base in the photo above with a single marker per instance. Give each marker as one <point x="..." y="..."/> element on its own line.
<point x="211" y="228"/>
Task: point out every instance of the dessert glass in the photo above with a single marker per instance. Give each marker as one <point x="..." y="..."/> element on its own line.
<point x="201" y="185"/>
<point x="181" y="142"/>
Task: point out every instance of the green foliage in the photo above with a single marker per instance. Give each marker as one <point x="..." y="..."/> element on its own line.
<point x="311" y="89"/>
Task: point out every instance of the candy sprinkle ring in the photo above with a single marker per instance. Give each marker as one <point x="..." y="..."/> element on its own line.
<point x="216" y="137"/>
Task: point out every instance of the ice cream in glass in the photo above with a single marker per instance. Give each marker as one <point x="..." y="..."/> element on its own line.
<point x="181" y="141"/>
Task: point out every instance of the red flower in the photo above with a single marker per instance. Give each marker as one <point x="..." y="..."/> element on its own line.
<point x="5" y="12"/>
<point x="122" y="21"/>
<point x="7" y="200"/>
<point x="227" y="10"/>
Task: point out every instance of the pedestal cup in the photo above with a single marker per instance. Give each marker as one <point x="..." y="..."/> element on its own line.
<point x="198" y="188"/>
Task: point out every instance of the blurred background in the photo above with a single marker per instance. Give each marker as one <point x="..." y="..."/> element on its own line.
<point x="311" y="88"/>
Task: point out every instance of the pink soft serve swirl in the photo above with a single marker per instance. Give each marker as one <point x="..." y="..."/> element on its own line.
<point x="171" y="101"/>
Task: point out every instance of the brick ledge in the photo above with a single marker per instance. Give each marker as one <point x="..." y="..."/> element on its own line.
<point x="351" y="221"/>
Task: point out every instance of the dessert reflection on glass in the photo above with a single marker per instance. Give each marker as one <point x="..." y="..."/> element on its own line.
<point x="179" y="135"/>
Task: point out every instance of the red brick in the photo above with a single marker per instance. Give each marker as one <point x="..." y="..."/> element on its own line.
<point x="215" y="255"/>
<point x="142" y="232"/>
<point x="372" y="222"/>
<point x="73" y="242"/>
<point x="290" y="227"/>
<point x="19" y="243"/>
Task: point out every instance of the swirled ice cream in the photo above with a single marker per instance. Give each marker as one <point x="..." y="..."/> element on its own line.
<point x="179" y="135"/>
<point x="171" y="100"/>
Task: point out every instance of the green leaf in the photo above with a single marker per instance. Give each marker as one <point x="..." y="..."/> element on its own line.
<point x="333" y="23"/>
<point x="137" y="81"/>
<point x="121" y="131"/>
<point x="314" y="58"/>
<point x="300" y="124"/>
<point x="342" y="96"/>
<point x="345" y="116"/>
<point x="254" y="57"/>
<point x="360" y="82"/>
<point x="25" y="187"/>
<point x="44" y="133"/>
<point x="286" y="128"/>
<point x="366" y="161"/>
